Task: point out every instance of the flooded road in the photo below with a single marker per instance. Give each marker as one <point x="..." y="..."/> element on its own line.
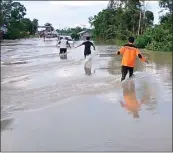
<point x="49" y="104"/>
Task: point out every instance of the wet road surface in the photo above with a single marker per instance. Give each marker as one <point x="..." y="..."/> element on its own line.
<point x="49" y="104"/>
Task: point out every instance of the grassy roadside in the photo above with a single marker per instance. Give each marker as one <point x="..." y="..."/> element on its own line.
<point x="120" y="43"/>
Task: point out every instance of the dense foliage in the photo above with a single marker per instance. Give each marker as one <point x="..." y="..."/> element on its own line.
<point x="159" y="38"/>
<point x="126" y="18"/>
<point x="120" y="22"/>
<point x="13" y="17"/>
<point x="121" y="19"/>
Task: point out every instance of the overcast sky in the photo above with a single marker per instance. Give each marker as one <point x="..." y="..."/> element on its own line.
<point x="71" y="13"/>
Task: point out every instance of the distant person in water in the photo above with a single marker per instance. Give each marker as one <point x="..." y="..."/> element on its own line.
<point x="129" y="52"/>
<point x="87" y="44"/>
<point x="44" y="36"/>
<point x="63" y="45"/>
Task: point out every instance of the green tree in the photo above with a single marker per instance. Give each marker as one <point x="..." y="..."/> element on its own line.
<point x="159" y="37"/>
<point x="166" y="4"/>
<point x="118" y="22"/>
<point x="5" y="11"/>
<point x="13" y="16"/>
<point x="34" y="26"/>
<point x="73" y="32"/>
<point x="75" y="36"/>
<point x="26" y="25"/>
<point x="149" y="18"/>
<point x="126" y="18"/>
<point x="18" y="11"/>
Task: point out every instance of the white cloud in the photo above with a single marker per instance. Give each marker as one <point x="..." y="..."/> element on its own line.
<point x="63" y="13"/>
<point x="155" y="8"/>
<point x="71" y="13"/>
<point x="78" y="3"/>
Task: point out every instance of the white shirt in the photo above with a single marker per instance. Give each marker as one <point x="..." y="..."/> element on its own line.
<point x="63" y="43"/>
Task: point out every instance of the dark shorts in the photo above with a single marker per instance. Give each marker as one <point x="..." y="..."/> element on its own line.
<point x="87" y="53"/>
<point x="63" y="50"/>
<point x="125" y="70"/>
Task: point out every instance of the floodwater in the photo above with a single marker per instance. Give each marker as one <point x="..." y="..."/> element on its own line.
<point x="50" y="104"/>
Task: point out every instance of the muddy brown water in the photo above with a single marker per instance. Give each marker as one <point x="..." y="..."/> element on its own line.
<point x="50" y="104"/>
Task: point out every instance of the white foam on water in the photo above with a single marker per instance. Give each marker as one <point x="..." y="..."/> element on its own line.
<point x="14" y="79"/>
<point x="14" y="62"/>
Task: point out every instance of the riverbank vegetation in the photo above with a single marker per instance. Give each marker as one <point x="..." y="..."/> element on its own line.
<point x="125" y="18"/>
<point x="113" y="25"/>
<point x="13" y="17"/>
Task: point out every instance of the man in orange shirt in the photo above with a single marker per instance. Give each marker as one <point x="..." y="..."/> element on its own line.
<point x="129" y="52"/>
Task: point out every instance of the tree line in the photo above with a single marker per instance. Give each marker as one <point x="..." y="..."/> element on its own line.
<point x="124" y="18"/>
<point x="73" y="32"/>
<point x="13" y="17"/>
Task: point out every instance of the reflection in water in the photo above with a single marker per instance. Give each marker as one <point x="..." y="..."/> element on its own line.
<point x="5" y="124"/>
<point x="87" y="67"/>
<point x="157" y="76"/>
<point x="131" y="103"/>
<point x="149" y="98"/>
<point x="52" y="81"/>
<point x="63" y="56"/>
<point x="87" y="71"/>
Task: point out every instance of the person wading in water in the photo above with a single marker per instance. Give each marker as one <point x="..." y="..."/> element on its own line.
<point x="87" y="44"/>
<point x="87" y="53"/>
<point x="63" y="45"/>
<point x="129" y="52"/>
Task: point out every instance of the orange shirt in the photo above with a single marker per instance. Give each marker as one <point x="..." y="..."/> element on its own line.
<point x="131" y="102"/>
<point x="129" y="53"/>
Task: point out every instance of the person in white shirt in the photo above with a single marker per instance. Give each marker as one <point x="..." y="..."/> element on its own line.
<point x="63" y="45"/>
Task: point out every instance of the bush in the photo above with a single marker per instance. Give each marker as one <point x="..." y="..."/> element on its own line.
<point x="14" y="33"/>
<point x="143" y="40"/>
<point x="160" y="46"/>
<point x="75" y="36"/>
<point x="158" y="38"/>
<point x="123" y="35"/>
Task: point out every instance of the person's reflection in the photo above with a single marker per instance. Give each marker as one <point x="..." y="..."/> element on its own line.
<point x="131" y="102"/>
<point x="87" y="71"/>
<point x="64" y="56"/>
<point x="87" y="68"/>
